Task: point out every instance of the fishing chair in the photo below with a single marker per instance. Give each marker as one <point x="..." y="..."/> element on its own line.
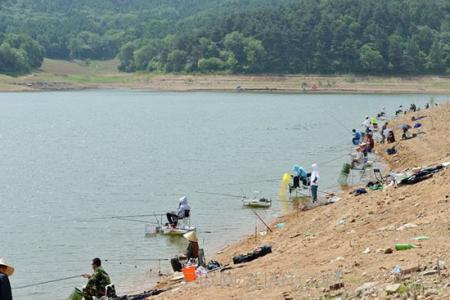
<point x="110" y="293"/>
<point x="187" y="218"/>
<point x="201" y="258"/>
<point x="379" y="177"/>
<point x="295" y="184"/>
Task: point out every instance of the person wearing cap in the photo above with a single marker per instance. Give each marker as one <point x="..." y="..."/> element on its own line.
<point x="191" y="252"/>
<point x="314" y="182"/>
<point x="5" y="287"/>
<point x="97" y="282"/>
<point x="183" y="207"/>
<point x="366" y="124"/>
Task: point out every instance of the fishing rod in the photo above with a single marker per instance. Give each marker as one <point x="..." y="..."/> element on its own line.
<point x="327" y="193"/>
<point x="125" y="216"/>
<point x="250" y="182"/>
<point x="45" y="282"/>
<point x="131" y="220"/>
<point x="332" y="160"/>
<point x="137" y="259"/>
<point x="267" y="226"/>
<point x="339" y="122"/>
<point x="221" y="194"/>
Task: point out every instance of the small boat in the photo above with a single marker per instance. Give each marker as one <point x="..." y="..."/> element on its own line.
<point x="257" y="202"/>
<point x="168" y="230"/>
<point x="151" y="230"/>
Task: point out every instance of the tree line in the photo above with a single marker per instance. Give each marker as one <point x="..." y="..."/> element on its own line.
<point x="240" y="36"/>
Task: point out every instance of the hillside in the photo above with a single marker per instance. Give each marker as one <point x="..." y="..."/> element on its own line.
<point x="333" y="250"/>
<point x="236" y="36"/>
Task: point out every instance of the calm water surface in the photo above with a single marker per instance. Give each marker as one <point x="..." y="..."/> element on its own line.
<point x="70" y="158"/>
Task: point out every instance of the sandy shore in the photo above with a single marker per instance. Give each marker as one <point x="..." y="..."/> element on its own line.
<point x="331" y="251"/>
<point x="76" y="75"/>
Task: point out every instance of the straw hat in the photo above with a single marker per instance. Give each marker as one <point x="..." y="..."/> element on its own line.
<point x="191" y="236"/>
<point x="9" y="270"/>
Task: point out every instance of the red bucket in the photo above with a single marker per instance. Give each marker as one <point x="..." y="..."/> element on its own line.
<point x="189" y="273"/>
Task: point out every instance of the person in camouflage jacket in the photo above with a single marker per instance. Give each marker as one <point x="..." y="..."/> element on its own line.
<point x="97" y="281"/>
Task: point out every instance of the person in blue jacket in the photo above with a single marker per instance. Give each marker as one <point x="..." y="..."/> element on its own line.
<point x="356" y="137"/>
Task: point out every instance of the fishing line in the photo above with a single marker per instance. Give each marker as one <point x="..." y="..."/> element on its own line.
<point x="332" y="160"/>
<point x="339" y="122"/>
<point x="45" y="282"/>
<point x="136" y="259"/>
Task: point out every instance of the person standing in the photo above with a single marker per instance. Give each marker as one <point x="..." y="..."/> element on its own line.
<point x="383" y="132"/>
<point x="96" y="285"/>
<point x="5" y="287"/>
<point x="315" y="176"/>
<point x="370" y="142"/>
<point x="366" y="124"/>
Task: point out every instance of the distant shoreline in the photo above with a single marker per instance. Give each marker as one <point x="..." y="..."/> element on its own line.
<point x="57" y="75"/>
<point x="175" y="86"/>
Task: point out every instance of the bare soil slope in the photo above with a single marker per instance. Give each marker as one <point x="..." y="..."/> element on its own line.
<point x="332" y="250"/>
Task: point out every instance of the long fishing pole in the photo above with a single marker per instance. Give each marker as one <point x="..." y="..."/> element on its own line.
<point x="221" y="194"/>
<point x="339" y="122"/>
<point x="125" y="216"/>
<point x="327" y="193"/>
<point x="136" y="259"/>
<point x="131" y="220"/>
<point x="45" y="282"/>
<point x="332" y="160"/>
<point x="267" y="226"/>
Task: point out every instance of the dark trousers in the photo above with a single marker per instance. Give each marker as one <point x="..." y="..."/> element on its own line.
<point x="314" y="193"/>
<point x="172" y="218"/>
<point x="176" y="265"/>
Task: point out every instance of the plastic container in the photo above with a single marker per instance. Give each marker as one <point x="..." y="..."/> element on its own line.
<point x="400" y="247"/>
<point x="189" y="273"/>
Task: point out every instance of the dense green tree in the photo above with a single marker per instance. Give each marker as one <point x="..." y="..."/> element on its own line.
<point x="371" y="59"/>
<point x="237" y="36"/>
<point x="210" y="64"/>
<point x="176" y="61"/>
<point x="12" y="60"/>
<point x="19" y="54"/>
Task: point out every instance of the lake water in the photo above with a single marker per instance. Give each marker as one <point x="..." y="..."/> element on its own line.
<point x="70" y="158"/>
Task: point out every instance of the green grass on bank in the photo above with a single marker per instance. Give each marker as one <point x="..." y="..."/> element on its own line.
<point x="94" y="73"/>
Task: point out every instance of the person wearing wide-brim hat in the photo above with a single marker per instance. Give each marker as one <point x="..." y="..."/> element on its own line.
<point x="191" y="252"/>
<point x="6" y="270"/>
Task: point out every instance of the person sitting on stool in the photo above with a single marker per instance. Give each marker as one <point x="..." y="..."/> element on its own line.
<point x="97" y="282"/>
<point x="191" y="252"/>
<point x="183" y="212"/>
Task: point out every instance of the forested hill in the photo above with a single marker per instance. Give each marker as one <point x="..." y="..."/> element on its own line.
<point x="235" y="36"/>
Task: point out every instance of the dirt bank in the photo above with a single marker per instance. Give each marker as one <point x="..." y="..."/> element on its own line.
<point x="73" y="75"/>
<point x="332" y="250"/>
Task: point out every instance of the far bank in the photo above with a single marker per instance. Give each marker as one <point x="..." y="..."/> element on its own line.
<point x="76" y="75"/>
